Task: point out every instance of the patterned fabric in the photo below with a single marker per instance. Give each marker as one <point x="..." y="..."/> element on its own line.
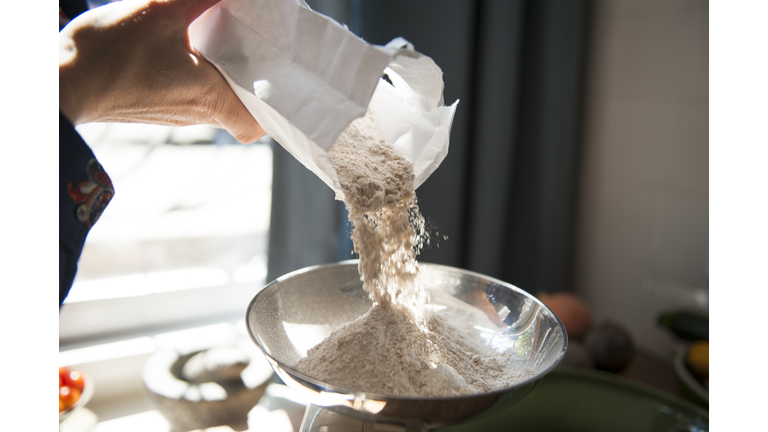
<point x="84" y="192"/>
<point x="63" y="19"/>
<point x="92" y="195"/>
<point x="69" y="9"/>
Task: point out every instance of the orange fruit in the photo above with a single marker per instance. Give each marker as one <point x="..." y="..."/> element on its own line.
<point x="698" y="357"/>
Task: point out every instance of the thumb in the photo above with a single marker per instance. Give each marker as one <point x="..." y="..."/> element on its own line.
<point x="232" y="114"/>
<point x="237" y="120"/>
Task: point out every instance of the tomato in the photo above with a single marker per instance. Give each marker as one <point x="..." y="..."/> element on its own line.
<point x="68" y="396"/>
<point x="71" y="385"/>
<point x="75" y="395"/>
<point x="74" y="380"/>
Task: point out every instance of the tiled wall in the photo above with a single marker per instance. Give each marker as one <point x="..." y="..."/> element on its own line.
<point x="643" y="221"/>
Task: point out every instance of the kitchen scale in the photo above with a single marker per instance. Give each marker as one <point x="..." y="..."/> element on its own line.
<point x="299" y="310"/>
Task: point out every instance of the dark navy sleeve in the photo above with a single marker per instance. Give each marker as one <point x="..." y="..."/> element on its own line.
<point x="84" y="192"/>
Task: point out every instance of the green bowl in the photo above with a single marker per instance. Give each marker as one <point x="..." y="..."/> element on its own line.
<point x="575" y="400"/>
<point x="690" y="388"/>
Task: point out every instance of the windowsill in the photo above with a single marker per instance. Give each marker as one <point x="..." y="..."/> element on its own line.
<point x="97" y="322"/>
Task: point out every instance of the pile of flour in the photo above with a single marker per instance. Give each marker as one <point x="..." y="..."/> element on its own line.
<point x="397" y="347"/>
<point x="385" y="351"/>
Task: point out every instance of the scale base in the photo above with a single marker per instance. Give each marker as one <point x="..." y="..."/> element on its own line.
<point x="319" y="419"/>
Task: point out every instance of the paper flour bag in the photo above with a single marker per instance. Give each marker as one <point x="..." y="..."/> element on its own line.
<point x="304" y="78"/>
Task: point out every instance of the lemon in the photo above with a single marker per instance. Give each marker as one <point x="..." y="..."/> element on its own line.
<point x="698" y="357"/>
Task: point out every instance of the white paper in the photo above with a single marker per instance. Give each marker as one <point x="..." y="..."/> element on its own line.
<point x="304" y="78"/>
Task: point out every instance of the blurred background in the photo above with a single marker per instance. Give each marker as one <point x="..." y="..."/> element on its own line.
<point x="578" y="162"/>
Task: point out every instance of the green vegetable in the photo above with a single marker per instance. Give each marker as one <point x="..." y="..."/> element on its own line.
<point x="685" y="325"/>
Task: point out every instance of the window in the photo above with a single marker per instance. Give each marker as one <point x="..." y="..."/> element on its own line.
<point x="184" y="240"/>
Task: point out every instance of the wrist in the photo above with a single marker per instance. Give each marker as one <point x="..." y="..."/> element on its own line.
<point x="77" y="83"/>
<point x="70" y="98"/>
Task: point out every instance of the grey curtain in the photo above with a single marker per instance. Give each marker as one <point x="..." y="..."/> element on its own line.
<point x="504" y="195"/>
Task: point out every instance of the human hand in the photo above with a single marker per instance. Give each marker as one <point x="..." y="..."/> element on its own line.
<point x="131" y="62"/>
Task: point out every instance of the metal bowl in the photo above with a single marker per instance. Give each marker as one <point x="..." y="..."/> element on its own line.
<point x="299" y="310"/>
